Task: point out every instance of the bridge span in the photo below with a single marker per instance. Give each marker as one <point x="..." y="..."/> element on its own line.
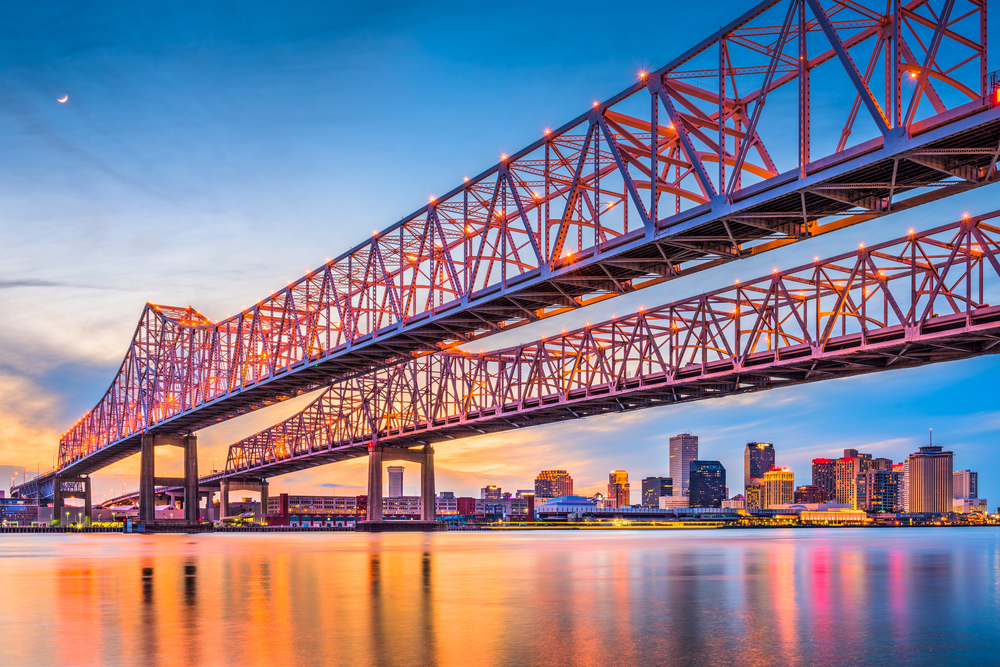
<point x="679" y="172"/>
<point x="909" y="302"/>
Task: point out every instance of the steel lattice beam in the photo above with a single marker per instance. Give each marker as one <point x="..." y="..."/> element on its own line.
<point x="913" y="301"/>
<point x="661" y="180"/>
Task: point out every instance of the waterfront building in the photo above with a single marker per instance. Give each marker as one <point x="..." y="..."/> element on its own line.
<point x="737" y="502"/>
<point x="395" y="481"/>
<point x="18" y="511"/>
<point x="521" y="493"/>
<point x="758" y="458"/>
<point x="965" y="484"/>
<point x="824" y="477"/>
<point x="930" y="481"/>
<point x="810" y="493"/>
<point x="553" y="484"/>
<point x="618" y="491"/>
<point x="844" y="515"/>
<point x="683" y="450"/>
<point x="653" y="488"/>
<point x="490" y="492"/>
<point x="878" y="491"/>
<point x="778" y="487"/>
<point x="969" y="505"/>
<point x="707" y="484"/>
<point x="566" y="508"/>
<point x="674" y="502"/>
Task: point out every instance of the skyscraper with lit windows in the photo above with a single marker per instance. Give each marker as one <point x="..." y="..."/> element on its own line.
<point x="618" y="491"/>
<point x="683" y="450"/>
<point x="708" y="484"/>
<point x="758" y="458"/>
<point x="553" y="484"/>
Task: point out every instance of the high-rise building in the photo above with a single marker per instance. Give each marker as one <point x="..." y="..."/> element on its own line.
<point x="683" y="450"/>
<point x="824" y="477"/>
<point x="490" y="492"/>
<point x="755" y="495"/>
<point x="904" y="491"/>
<point x="810" y="493"/>
<point x="553" y="484"/>
<point x="929" y="486"/>
<point x="881" y="463"/>
<point x="618" y="493"/>
<point x="758" y="458"/>
<point x="655" y="487"/>
<point x="779" y="487"/>
<point x="965" y="484"/>
<point x="395" y="482"/>
<point x="846" y="472"/>
<point x="878" y="491"/>
<point x="707" y="484"/>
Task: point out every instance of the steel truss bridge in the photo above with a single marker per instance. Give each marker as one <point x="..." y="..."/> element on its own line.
<point x="685" y="169"/>
<point x="913" y="301"/>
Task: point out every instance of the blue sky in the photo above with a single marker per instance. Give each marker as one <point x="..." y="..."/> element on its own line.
<point x="211" y="152"/>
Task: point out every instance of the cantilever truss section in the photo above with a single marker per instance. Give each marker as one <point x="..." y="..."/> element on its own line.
<point x="705" y="160"/>
<point x="916" y="300"/>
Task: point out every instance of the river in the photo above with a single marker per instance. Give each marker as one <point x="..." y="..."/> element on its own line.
<point x="906" y="596"/>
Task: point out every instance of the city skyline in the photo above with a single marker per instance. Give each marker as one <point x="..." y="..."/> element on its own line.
<point x="85" y="153"/>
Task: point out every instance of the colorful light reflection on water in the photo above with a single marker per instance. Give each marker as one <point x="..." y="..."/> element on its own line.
<point x="754" y="597"/>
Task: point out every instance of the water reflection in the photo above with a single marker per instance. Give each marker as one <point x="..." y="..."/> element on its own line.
<point x="753" y="597"/>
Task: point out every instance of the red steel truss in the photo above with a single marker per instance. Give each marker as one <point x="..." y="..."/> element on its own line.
<point x="913" y="301"/>
<point x="687" y="168"/>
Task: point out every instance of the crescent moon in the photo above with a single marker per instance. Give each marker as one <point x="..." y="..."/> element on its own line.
<point x="63" y="99"/>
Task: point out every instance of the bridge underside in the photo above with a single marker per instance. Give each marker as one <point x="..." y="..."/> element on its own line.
<point x="949" y="339"/>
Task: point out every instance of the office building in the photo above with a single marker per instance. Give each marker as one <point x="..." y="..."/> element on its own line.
<point x="824" y="476"/>
<point x="707" y="484"/>
<point x="653" y="488"/>
<point x="811" y="494"/>
<point x="929" y="485"/>
<point x="737" y="502"/>
<point x="878" y="491"/>
<point x="846" y="472"/>
<point x="965" y="484"/>
<point x="683" y="450"/>
<point x="755" y="495"/>
<point x="904" y="484"/>
<point x="490" y="492"/>
<point x="778" y="487"/>
<point x="758" y="458"/>
<point x="553" y="484"/>
<point x="618" y="493"/>
<point x="395" y="482"/>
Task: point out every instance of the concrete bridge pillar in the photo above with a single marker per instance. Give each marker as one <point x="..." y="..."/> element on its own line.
<point x="428" y="502"/>
<point x="374" y="483"/>
<point x="71" y="487"/>
<point x="148" y="481"/>
<point x="377" y="455"/>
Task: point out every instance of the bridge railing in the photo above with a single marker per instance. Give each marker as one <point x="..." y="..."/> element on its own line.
<point x="876" y="300"/>
<point x="711" y="126"/>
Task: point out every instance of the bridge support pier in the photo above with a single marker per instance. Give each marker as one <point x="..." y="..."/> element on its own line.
<point x="148" y="481"/>
<point x="227" y="485"/>
<point x="377" y="455"/>
<point x="71" y="487"/>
